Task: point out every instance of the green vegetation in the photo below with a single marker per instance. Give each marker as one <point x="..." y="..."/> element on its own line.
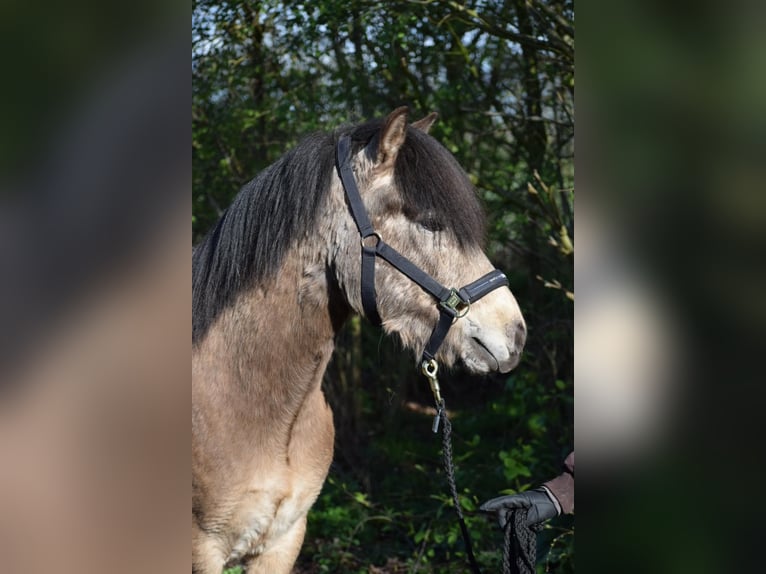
<point x="501" y="76"/>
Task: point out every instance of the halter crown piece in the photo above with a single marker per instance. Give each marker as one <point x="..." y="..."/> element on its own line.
<point x="451" y="303"/>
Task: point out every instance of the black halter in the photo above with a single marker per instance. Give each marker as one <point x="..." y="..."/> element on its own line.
<point x="452" y="303"/>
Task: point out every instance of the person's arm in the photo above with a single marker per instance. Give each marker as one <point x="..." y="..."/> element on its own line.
<point x="562" y="487"/>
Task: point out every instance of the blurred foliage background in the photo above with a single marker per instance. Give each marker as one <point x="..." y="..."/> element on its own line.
<point x="501" y="76"/>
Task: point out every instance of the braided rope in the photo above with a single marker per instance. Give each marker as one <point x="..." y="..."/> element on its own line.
<point x="449" y="471"/>
<point x="520" y="540"/>
<point x="520" y="547"/>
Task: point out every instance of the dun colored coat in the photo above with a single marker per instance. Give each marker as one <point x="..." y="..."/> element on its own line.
<point x="274" y="281"/>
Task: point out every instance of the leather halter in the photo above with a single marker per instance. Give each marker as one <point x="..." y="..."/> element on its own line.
<point x="452" y="303"/>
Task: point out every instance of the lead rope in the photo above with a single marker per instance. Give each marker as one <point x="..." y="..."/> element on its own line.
<point x="449" y="471"/>
<point x="430" y="368"/>
<point x="520" y="549"/>
<point x="520" y="540"/>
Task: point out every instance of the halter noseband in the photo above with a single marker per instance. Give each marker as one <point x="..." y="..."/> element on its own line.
<point x="452" y="303"/>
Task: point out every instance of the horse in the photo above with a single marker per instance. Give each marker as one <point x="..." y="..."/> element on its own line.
<point x="272" y="284"/>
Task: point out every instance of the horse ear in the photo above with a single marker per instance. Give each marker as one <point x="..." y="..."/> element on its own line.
<point x="425" y="124"/>
<point x="392" y="135"/>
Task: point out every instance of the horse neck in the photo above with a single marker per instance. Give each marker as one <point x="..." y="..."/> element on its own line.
<point x="271" y="346"/>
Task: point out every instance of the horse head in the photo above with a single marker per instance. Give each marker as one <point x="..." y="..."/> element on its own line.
<point x="421" y="203"/>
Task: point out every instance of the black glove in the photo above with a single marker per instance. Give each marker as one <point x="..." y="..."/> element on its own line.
<point x="539" y="502"/>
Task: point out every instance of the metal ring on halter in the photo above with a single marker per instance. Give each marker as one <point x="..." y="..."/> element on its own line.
<point x="377" y="237"/>
<point x="464" y="311"/>
<point x="455" y="304"/>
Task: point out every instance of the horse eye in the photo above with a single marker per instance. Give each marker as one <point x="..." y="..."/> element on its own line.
<point x="430" y="223"/>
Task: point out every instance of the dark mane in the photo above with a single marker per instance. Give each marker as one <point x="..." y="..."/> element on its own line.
<point x="250" y="241"/>
<point x="253" y="236"/>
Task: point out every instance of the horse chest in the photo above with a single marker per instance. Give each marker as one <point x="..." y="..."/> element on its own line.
<point x="282" y="493"/>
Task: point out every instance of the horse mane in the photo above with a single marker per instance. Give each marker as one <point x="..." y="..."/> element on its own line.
<point x="280" y="205"/>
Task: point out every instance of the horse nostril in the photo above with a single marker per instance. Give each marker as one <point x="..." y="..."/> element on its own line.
<point x="517" y="331"/>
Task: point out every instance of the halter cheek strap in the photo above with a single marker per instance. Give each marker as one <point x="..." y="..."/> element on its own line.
<point x="452" y="303"/>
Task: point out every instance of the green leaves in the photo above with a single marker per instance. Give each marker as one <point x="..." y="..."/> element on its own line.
<point x="516" y="463"/>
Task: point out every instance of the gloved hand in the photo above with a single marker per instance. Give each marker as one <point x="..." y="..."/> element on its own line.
<point x="539" y="502"/>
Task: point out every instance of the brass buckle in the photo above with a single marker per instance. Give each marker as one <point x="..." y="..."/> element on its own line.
<point x="454" y="302"/>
